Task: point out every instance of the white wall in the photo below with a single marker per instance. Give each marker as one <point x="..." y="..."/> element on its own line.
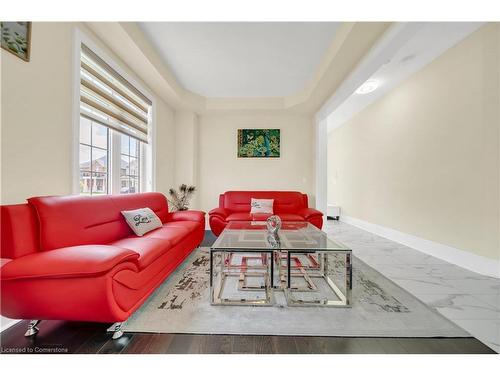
<point x="220" y="169"/>
<point x="424" y="159"/>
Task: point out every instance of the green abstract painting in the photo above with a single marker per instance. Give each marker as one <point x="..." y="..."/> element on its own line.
<point x="258" y="143"/>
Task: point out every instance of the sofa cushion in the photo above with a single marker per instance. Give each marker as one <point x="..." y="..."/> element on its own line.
<point x="74" y="261"/>
<point x="189" y="225"/>
<point x="173" y="232"/>
<point x="149" y="249"/>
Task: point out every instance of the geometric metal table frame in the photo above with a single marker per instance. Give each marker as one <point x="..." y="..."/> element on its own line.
<point x="286" y="274"/>
<point x="221" y="268"/>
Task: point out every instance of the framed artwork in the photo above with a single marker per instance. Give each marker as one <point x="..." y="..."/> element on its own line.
<point x="16" y="38"/>
<point x="259" y="143"/>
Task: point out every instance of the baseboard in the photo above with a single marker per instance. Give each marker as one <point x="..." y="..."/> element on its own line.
<point x="461" y="258"/>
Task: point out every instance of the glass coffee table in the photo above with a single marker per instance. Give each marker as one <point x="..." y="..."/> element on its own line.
<point x="248" y="265"/>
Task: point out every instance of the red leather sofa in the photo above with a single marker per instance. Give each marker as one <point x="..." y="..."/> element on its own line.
<point x="288" y="205"/>
<point x="75" y="257"/>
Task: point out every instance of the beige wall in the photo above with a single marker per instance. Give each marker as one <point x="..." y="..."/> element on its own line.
<point x="36" y="117"/>
<point x="186" y="155"/>
<point x="220" y="169"/>
<point x="165" y="147"/>
<point x="424" y="159"/>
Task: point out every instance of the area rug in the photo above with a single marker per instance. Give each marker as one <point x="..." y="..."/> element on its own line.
<point x="380" y="308"/>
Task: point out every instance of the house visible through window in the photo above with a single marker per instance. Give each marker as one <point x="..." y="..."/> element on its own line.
<point x="94" y="156"/>
<point x="114" y="125"/>
<point x="129" y="169"/>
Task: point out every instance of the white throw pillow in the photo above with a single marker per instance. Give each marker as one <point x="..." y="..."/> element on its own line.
<point x="261" y="206"/>
<point x="142" y="220"/>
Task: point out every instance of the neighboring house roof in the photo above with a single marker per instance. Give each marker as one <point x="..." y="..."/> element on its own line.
<point x="100" y="164"/>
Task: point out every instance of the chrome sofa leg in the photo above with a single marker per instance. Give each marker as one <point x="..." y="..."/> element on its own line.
<point x="117" y="330"/>
<point x="32" y="328"/>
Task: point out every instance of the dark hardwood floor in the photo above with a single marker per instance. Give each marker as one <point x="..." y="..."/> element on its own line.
<point x="91" y="338"/>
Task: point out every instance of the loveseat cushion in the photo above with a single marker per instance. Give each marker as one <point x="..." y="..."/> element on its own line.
<point x="283" y="217"/>
<point x="148" y="249"/>
<point x="74" y="261"/>
<point x="239" y="216"/>
<point x="243" y="216"/>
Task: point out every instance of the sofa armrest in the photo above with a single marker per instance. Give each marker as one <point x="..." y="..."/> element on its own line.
<point x="221" y="212"/>
<point x="307" y="213"/>
<point x="67" y="262"/>
<point x="189" y="215"/>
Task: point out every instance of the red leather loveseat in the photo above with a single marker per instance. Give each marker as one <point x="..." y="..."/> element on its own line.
<point x="288" y="205"/>
<point x="75" y="257"/>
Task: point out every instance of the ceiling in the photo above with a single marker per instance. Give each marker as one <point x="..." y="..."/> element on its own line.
<point x="424" y="43"/>
<point x="244" y="59"/>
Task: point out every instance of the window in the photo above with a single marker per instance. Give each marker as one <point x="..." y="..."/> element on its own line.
<point x="94" y="156"/>
<point x="114" y="130"/>
<point x="129" y="167"/>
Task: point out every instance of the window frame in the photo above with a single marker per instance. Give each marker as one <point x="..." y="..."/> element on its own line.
<point x="147" y="179"/>
<point x="91" y="146"/>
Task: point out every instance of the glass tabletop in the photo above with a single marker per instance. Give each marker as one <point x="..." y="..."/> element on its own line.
<point x="253" y="235"/>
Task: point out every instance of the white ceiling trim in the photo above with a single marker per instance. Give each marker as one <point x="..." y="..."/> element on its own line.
<point x="406" y="49"/>
<point x="391" y="42"/>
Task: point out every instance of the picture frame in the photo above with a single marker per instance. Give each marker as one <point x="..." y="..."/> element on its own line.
<point x="16" y="38"/>
<point x="259" y="143"/>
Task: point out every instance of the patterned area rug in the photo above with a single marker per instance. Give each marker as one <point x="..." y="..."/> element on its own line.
<point x="380" y="308"/>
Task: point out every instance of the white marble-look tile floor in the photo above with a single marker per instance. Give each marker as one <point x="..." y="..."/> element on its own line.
<point x="469" y="299"/>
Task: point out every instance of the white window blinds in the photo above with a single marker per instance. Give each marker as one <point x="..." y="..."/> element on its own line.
<point x="109" y="99"/>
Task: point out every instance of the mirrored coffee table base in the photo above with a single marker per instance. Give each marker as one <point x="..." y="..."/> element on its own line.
<point x="236" y="266"/>
<point x="311" y="268"/>
<point x="313" y="274"/>
<point x="225" y="269"/>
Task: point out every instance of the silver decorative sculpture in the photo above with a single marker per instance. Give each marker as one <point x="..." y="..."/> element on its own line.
<point x="273" y="224"/>
<point x="273" y="240"/>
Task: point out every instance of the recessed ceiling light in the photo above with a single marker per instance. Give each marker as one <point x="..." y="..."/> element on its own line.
<point x="367" y="87"/>
<point x="407" y="58"/>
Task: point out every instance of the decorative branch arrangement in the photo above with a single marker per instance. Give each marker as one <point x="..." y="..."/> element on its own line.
<point x="180" y="200"/>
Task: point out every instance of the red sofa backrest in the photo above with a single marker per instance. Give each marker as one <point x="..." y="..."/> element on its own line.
<point x="284" y="201"/>
<point x="18" y="230"/>
<point x="80" y="220"/>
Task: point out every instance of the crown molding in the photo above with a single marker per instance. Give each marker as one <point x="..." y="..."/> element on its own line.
<point x="351" y="42"/>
